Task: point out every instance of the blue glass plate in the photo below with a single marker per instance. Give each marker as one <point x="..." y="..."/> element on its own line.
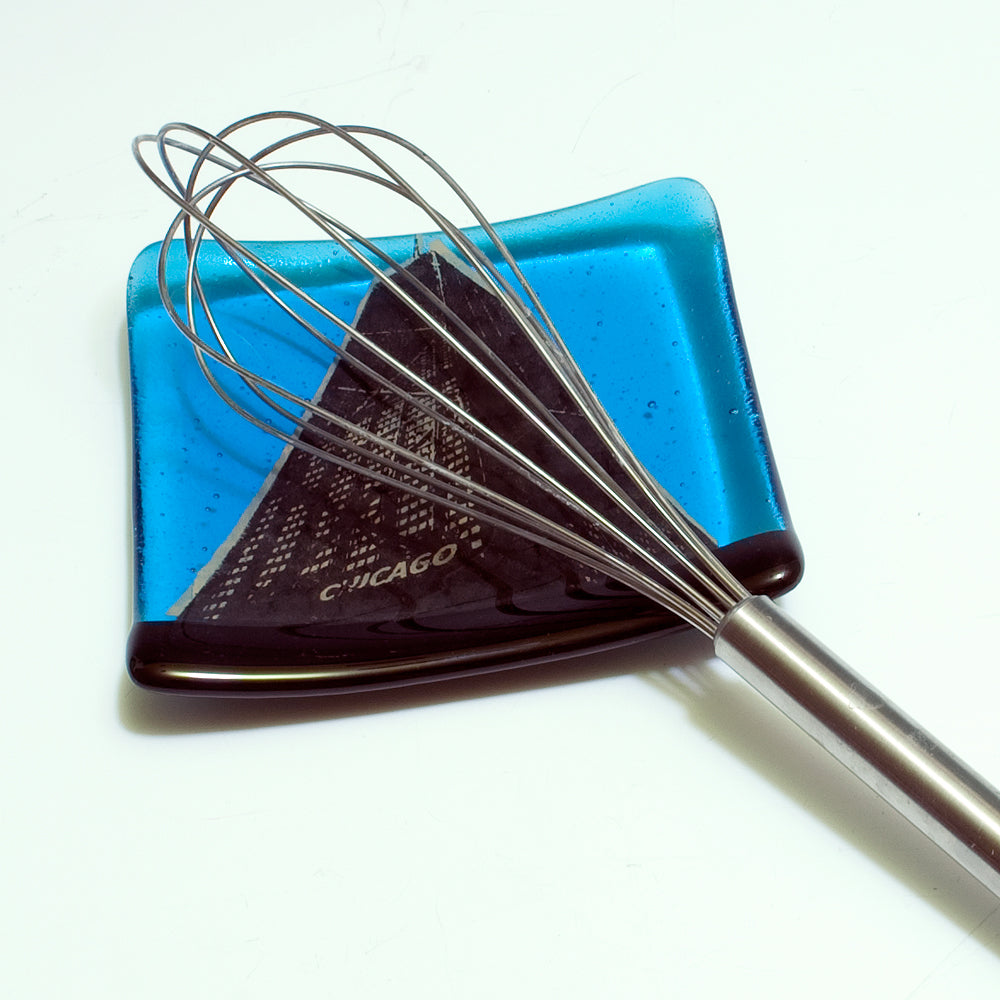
<point x="638" y="285"/>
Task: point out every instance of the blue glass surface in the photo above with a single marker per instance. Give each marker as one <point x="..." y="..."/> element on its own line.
<point x="637" y="284"/>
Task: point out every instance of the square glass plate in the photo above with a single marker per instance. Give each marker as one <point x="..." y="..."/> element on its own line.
<point x="638" y="285"/>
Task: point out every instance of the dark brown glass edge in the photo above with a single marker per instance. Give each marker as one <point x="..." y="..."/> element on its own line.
<point x="227" y="661"/>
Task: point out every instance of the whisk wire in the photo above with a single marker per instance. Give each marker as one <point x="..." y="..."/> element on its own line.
<point x="482" y="435"/>
<point x="721" y="585"/>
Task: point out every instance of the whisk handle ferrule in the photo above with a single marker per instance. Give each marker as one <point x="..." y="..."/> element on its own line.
<point x="925" y="782"/>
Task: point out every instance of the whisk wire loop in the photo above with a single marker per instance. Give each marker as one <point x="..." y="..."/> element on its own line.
<point x="704" y="599"/>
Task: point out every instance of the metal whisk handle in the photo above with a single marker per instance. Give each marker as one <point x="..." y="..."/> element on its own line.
<point x="925" y="782"/>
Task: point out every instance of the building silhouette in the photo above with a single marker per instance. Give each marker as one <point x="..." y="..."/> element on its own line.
<point x="326" y="544"/>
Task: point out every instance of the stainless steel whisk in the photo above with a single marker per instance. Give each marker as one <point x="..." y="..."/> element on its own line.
<point x="646" y="542"/>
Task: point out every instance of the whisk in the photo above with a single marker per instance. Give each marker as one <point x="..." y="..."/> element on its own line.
<point x="567" y="480"/>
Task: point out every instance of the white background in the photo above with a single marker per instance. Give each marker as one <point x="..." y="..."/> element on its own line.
<point x="655" y="834"/>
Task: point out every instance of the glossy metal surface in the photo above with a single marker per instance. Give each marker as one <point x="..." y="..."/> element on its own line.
<point x="924" y="781"/>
